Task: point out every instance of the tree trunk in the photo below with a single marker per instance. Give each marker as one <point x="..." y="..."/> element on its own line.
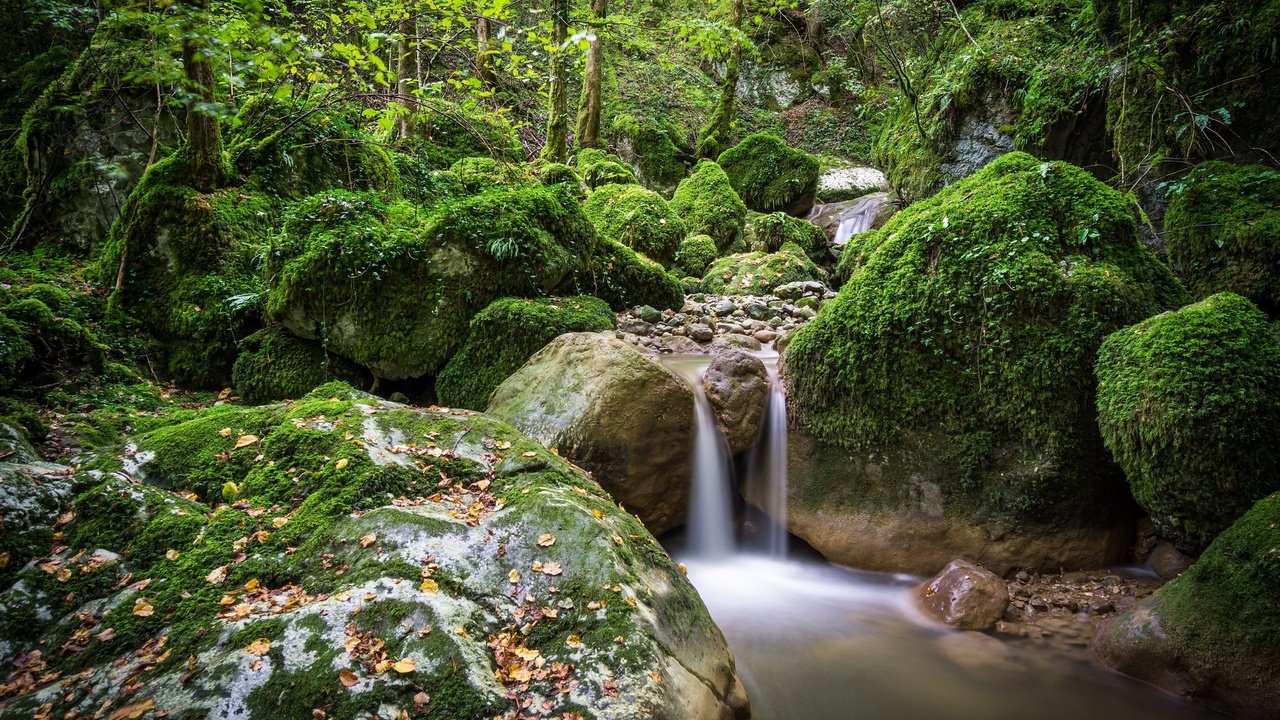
<point x="557" y="121"/>
<point x="718" y="132"/>
<point x="484" y="71"/>
<point x="208" y="171"/>
<point x="588" y="135"/>
<point x="406" y="74"/>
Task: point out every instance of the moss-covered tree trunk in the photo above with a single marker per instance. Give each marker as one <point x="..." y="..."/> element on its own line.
<point x="588" y="135"/>
<point x="484" y="70"/>
<point x="557" y="120"/>
<point x="207" y="169"/>
<point x="717" y="134"/>
<point x="406" y="72"/>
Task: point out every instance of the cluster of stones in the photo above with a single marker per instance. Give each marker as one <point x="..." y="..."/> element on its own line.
<point x="713" y="322"/>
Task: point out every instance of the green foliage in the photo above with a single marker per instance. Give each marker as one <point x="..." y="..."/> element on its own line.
<point x="624" y="278"/>
<point x="448" y="132"/>
<point x="356" y="272"/>
<point x="477" y="174"/>
<point x="708" y="204"/>
<point x="696" y="253"/>
<point x="658" y="148"/>
<point x="974" y="317"/>
<point x="772" y="231"/>
<point x="275" y="365"/>
<point x="1223" y="232"/>
<point x="598" y="169"/>
<point x="1187" y="405"/>
<point x="768" y="175"/>
<point x="637" y="218"/>
<point x="559" y="173"/>
<point x="759" y="273"/>
<point x="506" y="334"/>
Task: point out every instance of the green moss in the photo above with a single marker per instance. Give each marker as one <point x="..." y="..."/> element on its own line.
<point x="1223" y="232"/>
<point x="274" y="365"/>
<point x="506" y="334"/>
<point x="477" y="174"/>
<point x="623" y="278"/>
<point x="772" y="231"/>
<point x="768" y="175"/>
<point x="1187" y="406"/>
<point x="356" y="273"/>
<point x="658" y="148"/>
<point x="759" y="273"/>
<point x="447" y="132"/>
<point x="980" y="310"/>
<point x="420" y="183"/>
<point x="637" y="218"/>
<point x="599" y="169"/>
<point x="557" y="173"/>
<point x="708" y="204"/>
<point x="696" y="253"/>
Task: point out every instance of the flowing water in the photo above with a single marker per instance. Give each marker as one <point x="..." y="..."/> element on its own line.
<point x="859" y="217"/>
<point x="813" y="641"/>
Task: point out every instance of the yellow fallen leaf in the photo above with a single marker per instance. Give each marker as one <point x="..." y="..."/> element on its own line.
<point x="347" y="678"/>
<point x="258" y="647"/>
<point x="171" y="555"/>
<point x="597" y="514"/>
<point x="367" y="540"/>
<point x="142" y="608"/>
<point x="546" y="539"/>
<point x="552" y="568"/>
<point x="513" y="577"/>
<point x="225" y="432"/>
<point x="227" y="600"/>
<point x="405" y="666"/>
<point x="277" y="523"/>
<point x="573" y="641"/>
<point x="527" y="654"/>
<point x="655" y="676"/>
<point x="429" y="586"/>
<point x="252" y="584"/>
<point x="342" y="596"/>
<point x="617" y="539"/>
<point x="133" y="711"/>
<point x="342" y="462"/>
<point x="530" y="453"/>
<point x="522" y="675"/>
<point x="217" y="575"/>
<point x="245" y="441"/>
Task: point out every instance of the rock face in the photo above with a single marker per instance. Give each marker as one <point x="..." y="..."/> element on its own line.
<point x="965" y="595"/>
<point x="997" y="443"/>
<point x="435" y="563"/>
<point x="737" y="386"/>
<point x="610" y="409"/>
<point x="1213" y="632"/>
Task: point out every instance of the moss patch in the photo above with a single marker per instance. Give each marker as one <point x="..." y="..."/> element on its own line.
<point x="769" y="175"/>
<point x="275" y="365"/>
<point x="637" y="218"/>
<point x="759" y="273"/>
<point x="709" y="205"/>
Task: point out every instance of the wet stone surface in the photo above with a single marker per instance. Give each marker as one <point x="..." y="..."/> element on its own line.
<point x="1063" y="611"/>
<point x="711" y="323"/>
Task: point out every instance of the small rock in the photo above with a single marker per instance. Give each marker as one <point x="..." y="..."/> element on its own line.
<point x="965" y="595"/>
<point x="1167" y="562"/>
<point x="636" y="326"/>
<point x="805" y="312"/>
<point x="678" y="345"/>
<point x="765" y="336"/>
<point x="725" y="308"/>
<point x="701" y="333"/>
<point x="757" y="310"/>
<point x="809" y="302"/>
<point x="648" y="314"/>
<point x="737" y="341"/>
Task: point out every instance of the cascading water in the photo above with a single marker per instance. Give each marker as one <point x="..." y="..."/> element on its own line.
<point x="711" y="500"/>
<point x="767" y="466"/>
<point x="859" y="217"/>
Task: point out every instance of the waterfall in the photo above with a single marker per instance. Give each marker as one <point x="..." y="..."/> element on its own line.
<point x="711" y="497"/>
<point x="859" y="217"/>
<point x="767" y="468"/>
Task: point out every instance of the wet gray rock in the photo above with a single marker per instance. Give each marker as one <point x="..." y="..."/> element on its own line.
<point x="732" y="341"/>
<point x="737" y="385"/>
<point x="965" y="595"/>
<point x="1167" y="561"/>
<point x="801" y="288"/>
<point x="636" y="326"/>
<point x="678" y="345"/>
<point x="701" y="333"/>
<point x="765" y="336"/>
<point x="725" y="308"/>
<point x="648" y="314"/>
<point x="757" y="310"/>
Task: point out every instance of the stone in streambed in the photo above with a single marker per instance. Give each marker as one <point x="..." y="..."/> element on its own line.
<point x="965" y="595"/>
<point x="737" y="386"/>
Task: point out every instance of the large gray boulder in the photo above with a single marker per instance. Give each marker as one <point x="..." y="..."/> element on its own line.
<point x="611" y="409"/>
<point x="965" y="595"/>
<point x="737" y="386"/>
<point x="378" y="560"/>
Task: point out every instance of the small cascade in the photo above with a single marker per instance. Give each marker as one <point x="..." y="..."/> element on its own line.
<point x="859" y="217"/>
<point x="711" y="501"/>
<point x="767" y="468"/>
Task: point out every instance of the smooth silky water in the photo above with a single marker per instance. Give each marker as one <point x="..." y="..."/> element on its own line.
<point x="814" y="641"/>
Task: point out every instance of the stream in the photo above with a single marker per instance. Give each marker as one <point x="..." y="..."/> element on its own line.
<point x="814" y="641"/>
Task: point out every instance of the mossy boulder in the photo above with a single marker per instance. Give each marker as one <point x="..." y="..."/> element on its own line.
<point x="1223" y="232"/>
<point x="599" y="168"/>
<point x="655" y="150"/>
<point x="759" y="273"/>
<point x="393" y="287"/>
<point x="961" y="352"/>
<point x="477" y="174"/>
<point x="709" y="205"/>
<point x="558" y="173"/>
<point x="504" y="335"/>
<point x="1212" y="634"/>
<point x="637" y="218"/>
<point x="1188" y="405"/>
<point x="447" y="132"/>
<point x="769" y="175"/>
<point x="187" y="266"/>
<point x="695" y="255"/>
<point x="34" y="494"/>
<point x="375" y="556"/>
<point x="37" y="340"/>
<point x="768" y="233"/>
<point x="624" y="278"/>
<point x="275" y="365"/>
<point x="614" y="411"/>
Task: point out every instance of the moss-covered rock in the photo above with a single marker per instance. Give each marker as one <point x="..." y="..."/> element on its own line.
<point x="367" y="560"/>
<point x="759" y="273"/>
<point x="447" y="132"/>
<point x="695" y="255"/>
<point x="504" y="335"/>
<point x="599" y="169"/>
<point x="275" y="365"/>
<point x="477" y="174"/>
<point x="1223" y="232"/>
<point x="1212" y="634"/>
<point x="709" y="205"/>
<point x="393" y="288"/>
<point x="558" y="173"/>
<point x="767" y="233"/>
<point x="655" y="150"/>
<point x="963" y="347"/>
<point x="769" y="175"/>
<point x="624" y="278"/>
<point x="1187" y="404"/>
<point x="637" y="218"/>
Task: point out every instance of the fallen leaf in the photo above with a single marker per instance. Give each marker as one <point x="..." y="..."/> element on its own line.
<point x="530" y="453"/>
<point x="244" y="441"/>
<point x="347" y="678"/>
<point x="217" y="575"/>
<point x="429" y="586"/>
<point x="225" y="432"/>
<point x="106" y="635"/>
<point x="367" y="540"/>
<point x="404" y="666"/>
<point x="251" y="585"/>
<point x="342" y="462"/>
<point x="546" y="539"/>
<point x="421" y="699"/>
<point x="552" y="568"/>
<point x="513" y="577"/>
<point x="259" y="647"/>
<point x="522" y="675"/>
<point x="64" y="518"/>
<point x="171" y="555"/>
<point x="133" y="711"/>
<point x="597" y="514"/>
<point x="142" y="608"/>
<point x="573" y="641"/>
